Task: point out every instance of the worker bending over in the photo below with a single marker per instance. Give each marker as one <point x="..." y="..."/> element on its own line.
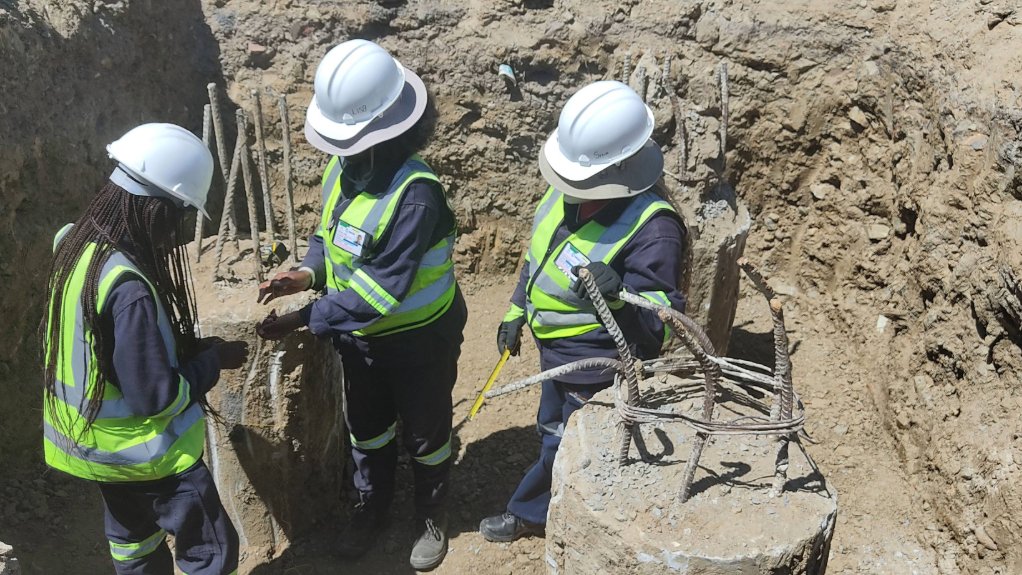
<point x="125" y="377"/>
<point x="603" y="213"/>
<point x="392" y="306"/>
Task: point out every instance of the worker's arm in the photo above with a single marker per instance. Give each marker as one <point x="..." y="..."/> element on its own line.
<point x="518" y="296"/>
<point x="315" y="261"/>
<point x="650" y="266"/>
<point x="393" y="266"/>
<point x="150" y="384"/>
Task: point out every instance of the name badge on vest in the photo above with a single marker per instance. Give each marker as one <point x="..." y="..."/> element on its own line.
<point x="351" y="239"/>
<point x="570" y="257"/>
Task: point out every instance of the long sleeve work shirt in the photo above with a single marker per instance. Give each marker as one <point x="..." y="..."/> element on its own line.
<point x="650" y="261"/>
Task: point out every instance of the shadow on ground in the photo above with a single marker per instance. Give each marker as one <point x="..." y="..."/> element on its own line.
<point x="481" y="482"/>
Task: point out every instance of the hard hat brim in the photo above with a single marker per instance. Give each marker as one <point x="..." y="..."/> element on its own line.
<point x="636" y="174"/>
<point x="398" y="119"/>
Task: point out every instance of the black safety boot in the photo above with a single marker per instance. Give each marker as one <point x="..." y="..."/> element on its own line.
<point x="362" y="531"/>
<point x="508" y="527"/>
<point x="431" y="547"/>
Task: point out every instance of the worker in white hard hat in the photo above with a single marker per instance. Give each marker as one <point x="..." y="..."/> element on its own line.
<point x="382" y="253"/>
<point x="125" y="377"/>
<point x="603" y="212"/>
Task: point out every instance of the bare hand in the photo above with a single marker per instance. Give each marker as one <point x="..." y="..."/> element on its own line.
<point x="274" y="327"/>
<point x="284" y="283"/>
<point x="232" y="354"/>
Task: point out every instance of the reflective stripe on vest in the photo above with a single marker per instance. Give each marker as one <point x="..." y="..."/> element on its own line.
<point x="120" y="445"/>
<point x="553" y="309"/>
<point x="433" y="287"/>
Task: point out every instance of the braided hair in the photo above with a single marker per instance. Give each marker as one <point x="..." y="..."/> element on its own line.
<point x="147" y="231"/>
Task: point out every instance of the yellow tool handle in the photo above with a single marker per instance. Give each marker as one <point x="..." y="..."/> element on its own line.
<point x="489" y="383"/>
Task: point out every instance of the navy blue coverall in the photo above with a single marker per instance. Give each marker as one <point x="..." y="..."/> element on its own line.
<point x="650" y="261"/>
<point x="408" y="374"/>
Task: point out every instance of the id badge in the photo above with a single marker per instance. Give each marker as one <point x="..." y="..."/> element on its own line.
<point x="570" y="257"/>
<point x="351" y="239"/>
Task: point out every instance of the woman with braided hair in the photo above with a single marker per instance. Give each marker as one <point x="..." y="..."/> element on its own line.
<point x="125" y="375"/>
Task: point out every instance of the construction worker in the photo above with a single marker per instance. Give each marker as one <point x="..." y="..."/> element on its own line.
<point x="125" y="377"/>
<point x="392" y="306"/>
<point x="601" y="212"/>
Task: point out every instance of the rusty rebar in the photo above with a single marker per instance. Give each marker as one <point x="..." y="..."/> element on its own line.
<point x="784" y="396"/>
<point x="724" y="97"/>
<point x="253" y="212"/>
<point x="207" y="128"/>
<point x="285" y="131"/>
<point x="221" y="148"/>
<point x="628" y="371"/>
<point x="232" y="182"/>
<point x="626" y="68"/>
<point x="264" y="180"/>
<point x="554" y="373"/>
<point x="682" y="137"/>
<point x="643" y="82"/>
<point x="665" y="74"/>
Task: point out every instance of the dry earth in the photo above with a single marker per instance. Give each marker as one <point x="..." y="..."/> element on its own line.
<point x="875" y="142"/>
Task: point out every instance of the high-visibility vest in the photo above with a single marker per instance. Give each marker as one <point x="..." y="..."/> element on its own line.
<point x="348" y="240"/>
<point x="120" y="445"/>
<point x="552" y="308"/>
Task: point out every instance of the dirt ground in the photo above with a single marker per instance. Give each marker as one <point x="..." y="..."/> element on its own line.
<point x="876" y="144"/>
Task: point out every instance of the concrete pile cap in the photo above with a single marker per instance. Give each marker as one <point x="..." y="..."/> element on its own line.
<point x="632" y="516"/>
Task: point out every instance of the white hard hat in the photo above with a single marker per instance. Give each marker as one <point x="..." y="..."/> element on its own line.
<point x="358" y="84"/>
<point x="601" y="125"/>
<point x="163" y="160"/>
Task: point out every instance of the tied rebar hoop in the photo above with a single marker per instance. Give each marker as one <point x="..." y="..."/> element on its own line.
<point x="784" y="414"/>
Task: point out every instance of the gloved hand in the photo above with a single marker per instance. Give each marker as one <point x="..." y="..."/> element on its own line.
<point x="509" y="335"/>
<point x="607" y="280"/>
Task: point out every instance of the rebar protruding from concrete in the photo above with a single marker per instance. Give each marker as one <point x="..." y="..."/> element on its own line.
<point x="561" y="370"/>
<point x="665" y="74"/>
<point x="724" y="96"/>
<point x="711" y="376"/>
<point x="682" y="136"/>
<point x="221" y="148"/>
<point x="628" y="371"/>
<point x="626" y="68"/>
<point x="253" y="212"/>
<point x="285" y="130"/>
<point x="264" y="181"/>
<point x="207" y="136"/>
<point x="643" y="82"/>
<point x="225" y="217"/>
<point x="784" y="396"/>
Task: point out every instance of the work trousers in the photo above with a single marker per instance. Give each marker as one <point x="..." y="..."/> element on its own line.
<point x="410" y="376"/>
<point x="559" y="400"/>
<point x="139" y="516"/>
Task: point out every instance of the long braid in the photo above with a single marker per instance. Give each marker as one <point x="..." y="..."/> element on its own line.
<point x="116" y="220"/>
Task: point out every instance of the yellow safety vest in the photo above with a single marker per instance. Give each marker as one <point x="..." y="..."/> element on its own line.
<point x="348" y="238"/>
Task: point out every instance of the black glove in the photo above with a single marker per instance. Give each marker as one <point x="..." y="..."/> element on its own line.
<point x="509" y="335"/>
<point x="607" y="280"/>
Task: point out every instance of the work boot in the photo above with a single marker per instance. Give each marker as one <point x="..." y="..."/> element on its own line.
<point x="508" y="527"/>
<point x="364" y="528"/>
<point x="431" y="547"/>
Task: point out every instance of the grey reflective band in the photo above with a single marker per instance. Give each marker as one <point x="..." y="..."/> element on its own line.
<point x="139" y="453"/>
